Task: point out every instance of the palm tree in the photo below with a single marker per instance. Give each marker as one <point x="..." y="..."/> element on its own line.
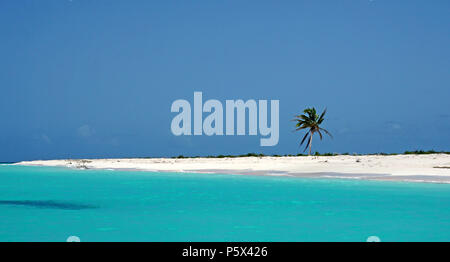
<point x="310" y="119"/>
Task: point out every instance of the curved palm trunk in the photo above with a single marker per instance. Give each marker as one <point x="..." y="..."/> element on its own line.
<point x="310" y="142"/>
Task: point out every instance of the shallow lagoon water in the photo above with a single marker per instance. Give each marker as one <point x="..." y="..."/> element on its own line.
<point x="51" y="204"/>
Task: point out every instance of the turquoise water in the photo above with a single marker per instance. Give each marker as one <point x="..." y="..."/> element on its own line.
<point x="50" y="204"/>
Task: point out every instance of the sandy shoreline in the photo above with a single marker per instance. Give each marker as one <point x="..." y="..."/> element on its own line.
<point x="417" y="168"/>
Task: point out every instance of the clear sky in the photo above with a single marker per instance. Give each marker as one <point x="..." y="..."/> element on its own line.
<point x="86" y="79"/>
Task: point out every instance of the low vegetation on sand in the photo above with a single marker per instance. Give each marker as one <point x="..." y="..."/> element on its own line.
<point x="416" y="152"/>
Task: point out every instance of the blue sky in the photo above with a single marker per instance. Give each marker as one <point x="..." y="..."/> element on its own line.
<point x="86" y="79"/>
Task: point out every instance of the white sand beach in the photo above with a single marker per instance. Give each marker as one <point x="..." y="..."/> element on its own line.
<point x="417" y="168"/>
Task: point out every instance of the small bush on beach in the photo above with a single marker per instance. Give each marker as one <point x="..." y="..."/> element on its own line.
<point x="421" y="152"/>
<point x="330" y="154"/>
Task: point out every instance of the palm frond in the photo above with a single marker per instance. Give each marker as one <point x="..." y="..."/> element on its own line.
<point x="321" y="117"/>
<point x="303" y="140"/>
<point x="326" y="131"/>
<point x="309" y="141"/>
<point x="300" y="128"/>
<point x="320" y="134"/>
